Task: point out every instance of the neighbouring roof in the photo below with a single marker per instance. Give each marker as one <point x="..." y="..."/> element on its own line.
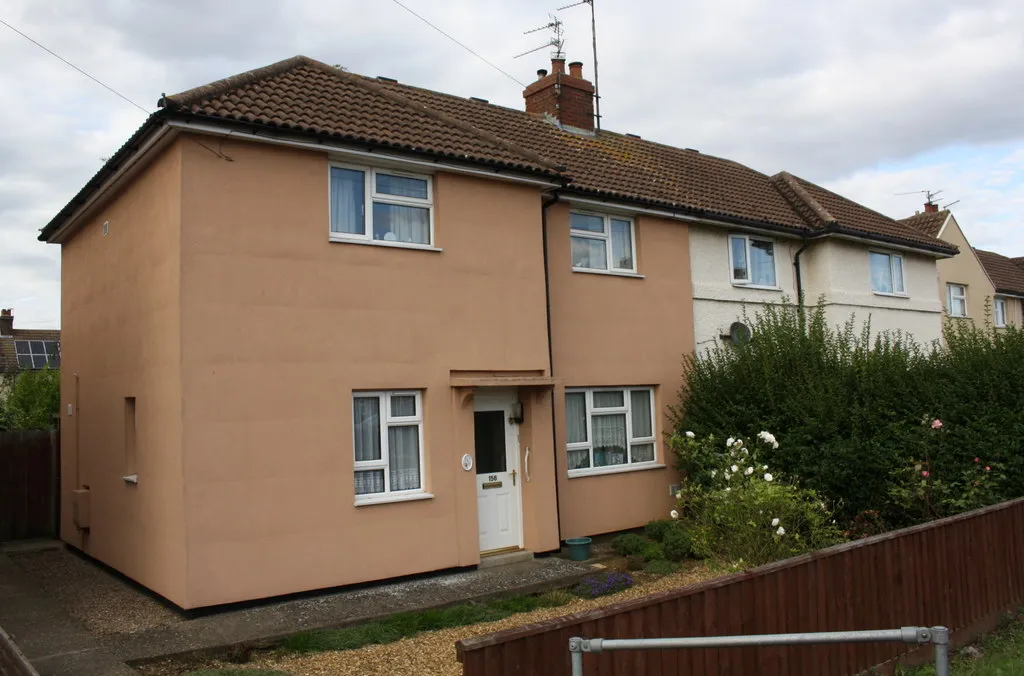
<point x="29" y="342"/>
<point x="1006" y="275"/>
<point x="303" y="96"/>
<point x="928" y="222"/>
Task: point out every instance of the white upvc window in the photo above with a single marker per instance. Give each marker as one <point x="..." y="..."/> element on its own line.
<point x="608" y="428"/>
<point x="752" y="261"/>
<point x="602" y="242"/>
<point x="387" y="431"/>
<point x="1000" y="310"/>
<point x="887" y="273"/>
<point x="383" y="206"/>
<point x="956" y="300"/>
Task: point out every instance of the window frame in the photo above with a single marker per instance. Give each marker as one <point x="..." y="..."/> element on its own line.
<point x="370" y="196"/>
<point x="950" y="297"/>
<point x="996" y="304"/>
<point x="52" y="359"/>
<point x="387" y="420"/>
<point x="606" y="236"/>
<point x="625" y="409"/>
<point x="746" y="283"/>
<point x="892" y="274"/>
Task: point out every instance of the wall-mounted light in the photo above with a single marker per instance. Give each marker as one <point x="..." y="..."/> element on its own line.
<point x="515" y="415"/>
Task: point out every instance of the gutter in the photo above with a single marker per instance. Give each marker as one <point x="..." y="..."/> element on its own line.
<point x="547" y="201"/>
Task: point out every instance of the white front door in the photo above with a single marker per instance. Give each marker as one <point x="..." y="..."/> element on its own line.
<point x="497" y="472"/>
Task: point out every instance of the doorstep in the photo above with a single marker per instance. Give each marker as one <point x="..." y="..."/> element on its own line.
<point x="504" y="558"/>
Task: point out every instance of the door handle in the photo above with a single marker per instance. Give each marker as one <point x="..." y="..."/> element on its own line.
<point x="513" y="477"/>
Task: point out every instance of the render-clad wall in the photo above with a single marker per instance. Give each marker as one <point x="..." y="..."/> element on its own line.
<point x="611" y="330"/>
<point x="280" y="326"/>
<point x="120" y="324"/>
<point x="965" y="268"/>
<point x="840" y="271"/>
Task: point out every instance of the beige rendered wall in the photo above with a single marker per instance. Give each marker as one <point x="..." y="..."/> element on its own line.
<point x="119" y="338"/>
<point x="612" y="330"/>
<point x="279" y="326"/>
<point x="965" y="268"/>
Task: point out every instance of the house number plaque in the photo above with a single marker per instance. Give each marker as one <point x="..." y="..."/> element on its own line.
<point x="467" y="462"/>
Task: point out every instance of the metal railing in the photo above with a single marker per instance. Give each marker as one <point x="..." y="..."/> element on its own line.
<point x="911" y="635"/>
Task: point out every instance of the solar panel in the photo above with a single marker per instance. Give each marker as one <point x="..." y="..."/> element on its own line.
<point x="37" y="354"/>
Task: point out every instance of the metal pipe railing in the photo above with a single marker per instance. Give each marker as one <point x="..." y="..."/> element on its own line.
<point x="939" y="636"/>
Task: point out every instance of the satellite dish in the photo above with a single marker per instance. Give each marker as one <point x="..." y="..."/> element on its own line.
<point x="739" y="333"/>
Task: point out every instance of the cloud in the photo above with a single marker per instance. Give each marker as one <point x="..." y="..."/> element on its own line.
<point x="868" y="96"/>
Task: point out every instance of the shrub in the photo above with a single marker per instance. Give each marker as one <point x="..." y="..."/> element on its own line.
<point x="653" y="551"/>
<point x="635" y="562"/>
<point x="656" y="530"/>
<point x="678" y="544"/>
<point x="33" y="401"/>
<point x="593" y="586"/>
<point x="628" y="543"/>
<point x="661" y="567"/>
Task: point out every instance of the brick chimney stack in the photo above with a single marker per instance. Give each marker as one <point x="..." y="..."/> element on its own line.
<point x="567" y="97"/>
<point x="931" y="207"/>
<point x="7" y="322"/>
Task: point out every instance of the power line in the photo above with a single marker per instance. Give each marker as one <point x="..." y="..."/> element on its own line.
<point x="459" y="43"/>
<point x="55" y="54"/>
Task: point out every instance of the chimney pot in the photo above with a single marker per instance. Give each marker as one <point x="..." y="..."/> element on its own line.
<point x="930" y="207"/>
<point x="7" y="322"/>
<point x="541" y="74"/>
<point x="576" y="69"/>
<point x="558" y="65"/>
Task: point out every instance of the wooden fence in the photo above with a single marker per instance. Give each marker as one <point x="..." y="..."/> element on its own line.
<point x="29" y="484"/>
<point x="960" y="572"/>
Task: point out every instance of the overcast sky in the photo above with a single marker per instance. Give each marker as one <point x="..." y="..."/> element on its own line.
<point x="869" y="98"/>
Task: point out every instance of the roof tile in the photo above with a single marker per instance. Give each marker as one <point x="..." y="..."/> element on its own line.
<point x="1006" y="275"/>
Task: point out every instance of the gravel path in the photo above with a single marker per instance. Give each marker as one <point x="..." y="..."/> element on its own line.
<point x="106" y="604"/>
<point x="434" y="652"/>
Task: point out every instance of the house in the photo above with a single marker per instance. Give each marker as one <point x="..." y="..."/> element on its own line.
<point x="327" y="329"/>
<point x="25" y="349"/>
<point x="982" y="286"/>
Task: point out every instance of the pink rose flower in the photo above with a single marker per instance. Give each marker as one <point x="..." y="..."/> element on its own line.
<point x="977" y="460"/>
<point x="936" y="424"/>
<point x="924" y="473"/>
<point x="987" y="468"/>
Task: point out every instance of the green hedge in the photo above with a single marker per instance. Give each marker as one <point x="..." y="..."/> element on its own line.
<point x="854" y="415"/>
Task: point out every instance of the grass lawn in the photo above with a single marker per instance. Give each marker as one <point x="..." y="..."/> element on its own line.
<point x="1002" y="654"/>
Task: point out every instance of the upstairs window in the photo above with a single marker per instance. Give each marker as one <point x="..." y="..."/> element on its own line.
<point x="37" y="354"/>
<point x="956" y="300"/>
<point x="1000" y="310"/>
<point x="382" y="206"/>
<point x="602" y="242"/>
<point x="752" y="261"/>
<point x="886" y="273"/>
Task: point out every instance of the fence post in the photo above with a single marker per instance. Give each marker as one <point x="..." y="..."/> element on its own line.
<point x="940" y="637"/>
<point x="576" y="655"/>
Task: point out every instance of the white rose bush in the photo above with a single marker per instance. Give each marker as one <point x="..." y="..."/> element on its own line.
<point x="736" y="510"/>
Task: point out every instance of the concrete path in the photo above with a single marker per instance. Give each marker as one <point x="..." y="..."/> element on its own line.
<point x="51" y="640"/>
<point x="261" y="625"/>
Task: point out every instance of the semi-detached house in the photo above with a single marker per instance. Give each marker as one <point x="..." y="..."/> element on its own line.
<point x="321" y="329"/>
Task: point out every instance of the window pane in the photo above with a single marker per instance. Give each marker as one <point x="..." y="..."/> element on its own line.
<point x="589" y="253"/>
<point x="579" y="459"/>
<point x="37" y="347"/>
<point x="404" y="457"/>
<point x="643" y="453"/>
<point x="738" y="246"/>
<point x="1000" y="313"/>
<point x="38" y="361"/>
<point x="21" y="346"/>
<point x="640" y="407"/>
<point x="398" y="223"/>
<point x="24" y="361"/>
<point x="403" y="406"/>
<point x="369" y="481"/>
<point x="402" y="186"/>
<point x="897" y="274"/>
<point x="366" y="421"/>
<point x="609" y="440"/>
<point x="489" y="432"/>
<point x="575" y="417"/>
<point x="622" y="244"/>
<point x="586" y="222"/>
<point x="762" y="263"/>
<point x="347" y="201"/>
<point x="609" y="399"/>
<point x="881" y="273"/>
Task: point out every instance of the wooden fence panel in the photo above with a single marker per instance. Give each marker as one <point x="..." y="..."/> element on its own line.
<point x="959" y="572"/>
<point x="29" y="484"/>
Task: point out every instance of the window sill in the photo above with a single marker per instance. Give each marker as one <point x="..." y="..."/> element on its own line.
<point x="611" y="273"/>
<point x="891" y="295"/>
<point x="741" y="285"/>
<point x="614" y="469"/>
<point x="384" y="499"/>
<point x="376" y="242"/>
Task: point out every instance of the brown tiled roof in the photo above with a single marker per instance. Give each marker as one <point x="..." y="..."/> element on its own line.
<point x="928" y="222"/>
<point x="1006" y="275"/>
<point x="304" y="96"/>
<point x="8" y="354"/>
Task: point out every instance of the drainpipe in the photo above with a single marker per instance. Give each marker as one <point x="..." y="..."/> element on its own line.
<point x="547" y="201"/>
<point x="799" y="281"/>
